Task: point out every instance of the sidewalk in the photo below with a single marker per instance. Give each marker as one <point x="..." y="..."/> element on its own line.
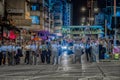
<point x="110" y="60"/>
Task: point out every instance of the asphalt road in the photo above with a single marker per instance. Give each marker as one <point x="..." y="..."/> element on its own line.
<point x="84" y="71"/>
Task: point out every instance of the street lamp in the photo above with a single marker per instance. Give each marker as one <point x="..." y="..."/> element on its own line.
<point x="115" y="23"/>
<point x="82" y="24"/>
<point x="83" y="9"/>
<point x="96" y="10"/>
<point x="83" y="19"/>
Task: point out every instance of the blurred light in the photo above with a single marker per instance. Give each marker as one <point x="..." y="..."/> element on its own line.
<point x="88" y="24"/>
<point x="96" y="9"/>
<point x="65" y="54"/>
<point x="64" y="47"/>
<point x="92" y="18"/>
<point x="82" y="24"/>
<point x="118" y="13"/>
<point x="83" y="19"/>
<point x="83" y="9"/>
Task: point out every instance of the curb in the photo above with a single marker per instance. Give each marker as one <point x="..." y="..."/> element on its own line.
<point x="109" y="60"/>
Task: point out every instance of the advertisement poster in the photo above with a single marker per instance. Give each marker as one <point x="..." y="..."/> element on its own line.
<point x="116" y="52"/>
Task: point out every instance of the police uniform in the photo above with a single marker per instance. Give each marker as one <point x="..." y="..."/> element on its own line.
<point x="54" y="53"/>
<point x="78" y="53"/>
<point x="4" y="53"/>
<point x="18" y="54"/>
<point x="48" y="54"/>
<point x="34" y="48"/>
<point x="10" y="58"/>
<point x="13" y="54"/>
<point x="88" y="52"/>
<point x="44" y="51"/>
<point x="27" y="54"/>
<point x="95" y="52"/>
<point x="1" y="56"/>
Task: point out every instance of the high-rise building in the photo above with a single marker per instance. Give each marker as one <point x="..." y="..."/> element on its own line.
<point x="19" y="13"/>
<point x="58" y="6"/>
<point x="41" y="14"/>
<point x="67" y="12"/>
<point x="1" y="8"/>
<point x="62" y="14"/>
<point x="36" y="14"/>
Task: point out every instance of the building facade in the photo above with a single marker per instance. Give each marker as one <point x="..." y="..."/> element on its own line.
<point x="62" y="14"/>
<point x="1" y="8"/>
<point x="19" y="13"/>
<point x="36" y="12"/>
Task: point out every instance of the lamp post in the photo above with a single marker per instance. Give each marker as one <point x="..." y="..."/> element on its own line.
<point x="115" y="22"/>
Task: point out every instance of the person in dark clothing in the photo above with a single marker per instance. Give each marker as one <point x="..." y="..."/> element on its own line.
<point x="27" y="55"/>
<point x="1" y="56"/>
<point x="48" y="53"/>
<point x="43" y="52"/>
<point x="102" y="51"/>
<point x="18" y="54"/>
<point x="88" y="52"/>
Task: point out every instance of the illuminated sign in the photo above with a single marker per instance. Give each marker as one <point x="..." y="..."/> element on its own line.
<point x="82" y="30"/>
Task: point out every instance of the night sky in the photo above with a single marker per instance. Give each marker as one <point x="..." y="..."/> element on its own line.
<point x="76" y="10"/>
<point x="77" y="4"/>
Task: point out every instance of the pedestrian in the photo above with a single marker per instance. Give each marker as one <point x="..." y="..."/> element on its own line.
<point x="54" y="53"/>
<point x="94" y="51"/>
<point x="88" y="51"/>
<point x="18" y="53"/>
<point x="48" y="54"/>
<point x="4" y="52"/>
<point x="43" y="52"/>
<point x="34" y="48"/>
<point x="78" y="52"/>
<point x="9" y="55"/>
<point x="27" y="53"/>
<point x="1" y="55"/>
<point x="59" y="52"/>
<point x="13" y="53"/>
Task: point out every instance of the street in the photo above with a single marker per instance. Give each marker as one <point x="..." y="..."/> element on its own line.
<point x="109" y="70"/>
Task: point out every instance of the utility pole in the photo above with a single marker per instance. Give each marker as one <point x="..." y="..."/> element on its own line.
<point x="92" y="8"/>
<point x="115" y="20"/>
<point x="4" y="20"/>
<point x="105" y="28"/>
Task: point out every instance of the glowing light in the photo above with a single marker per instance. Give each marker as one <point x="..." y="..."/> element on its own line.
<point x="64" y="47"/>
<point x="96" y="9"/>
<point x="83" y="9"/>
<point x="65" y="54"/>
